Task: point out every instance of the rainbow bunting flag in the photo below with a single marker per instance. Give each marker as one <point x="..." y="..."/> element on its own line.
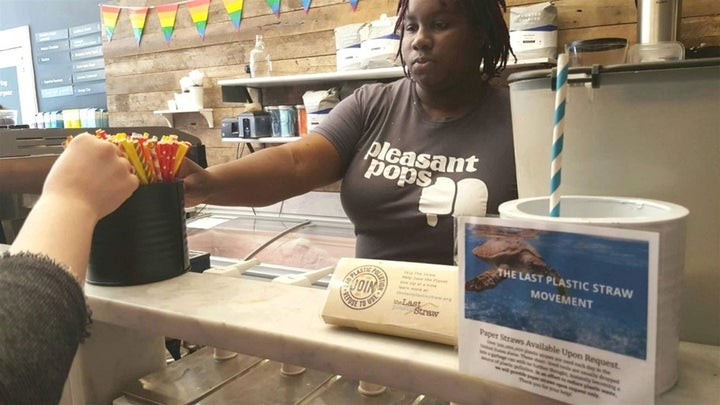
<point x="137" y="19"/>
<point x="234" y="9"/>
<point x="275" y="7"/>
<point x="199" y="14"/>
<point x="110" y="16"/>
<point x="167" y="14"/>
<point x="306" y="5"/>
<point x="353" y="4"/>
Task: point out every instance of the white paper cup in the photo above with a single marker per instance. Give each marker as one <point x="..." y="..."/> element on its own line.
<point x="639" y="214"/>
<point x="195" y="97"/>
<point x="181" y="101"/>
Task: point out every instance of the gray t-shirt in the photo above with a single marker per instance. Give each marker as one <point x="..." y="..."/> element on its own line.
<point x="406" y="175"/>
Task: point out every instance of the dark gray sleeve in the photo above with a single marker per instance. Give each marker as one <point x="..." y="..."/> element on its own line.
<point x="43" y="318"/>
<point x="343" y="126"/>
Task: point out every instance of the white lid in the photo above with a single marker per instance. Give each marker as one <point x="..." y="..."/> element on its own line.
<point x="594" y="210"/>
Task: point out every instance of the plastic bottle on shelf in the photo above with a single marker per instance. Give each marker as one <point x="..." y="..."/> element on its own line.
<point x="274" y="112"/>
<point x="301" y="120"/>
<point x="287" y="120"/>
<point x="260" y="63"/>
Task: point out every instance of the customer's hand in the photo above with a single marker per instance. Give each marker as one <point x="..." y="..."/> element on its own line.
<point x="93" y="173"/>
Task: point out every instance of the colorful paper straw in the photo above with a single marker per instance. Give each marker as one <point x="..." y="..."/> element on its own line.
<point x="152" y="160"/>
<point x="132" y="156"/>
<point x="182" y="148"/>
<point x="558" y="134"/>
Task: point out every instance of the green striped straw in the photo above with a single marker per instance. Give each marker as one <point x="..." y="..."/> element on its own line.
<point x="558" y="134"/>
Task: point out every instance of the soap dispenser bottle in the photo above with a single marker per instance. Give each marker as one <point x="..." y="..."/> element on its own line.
<point x="260" y="63"/>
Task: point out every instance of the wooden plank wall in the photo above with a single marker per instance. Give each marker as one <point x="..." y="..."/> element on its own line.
<point x="140" y="79"/>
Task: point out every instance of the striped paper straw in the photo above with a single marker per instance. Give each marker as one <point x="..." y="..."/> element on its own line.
<point x="558" y="134"/>
<point x="152" y="145"/>
<point x="133" y="158"/>
<point x="145" y="160"/>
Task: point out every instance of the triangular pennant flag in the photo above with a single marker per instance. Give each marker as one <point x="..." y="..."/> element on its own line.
<point x="353" y="4"/>
<point x="275" y="7"/>
<point x="137" y="19"/>
<point x="234" y="9"/>
<point x="110" y="16"/>
<point x="306" y="4"/>
<point x="167" y="14"/>
<point x="199" y="14"/>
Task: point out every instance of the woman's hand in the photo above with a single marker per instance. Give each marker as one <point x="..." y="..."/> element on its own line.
<point x="195" y="180"/>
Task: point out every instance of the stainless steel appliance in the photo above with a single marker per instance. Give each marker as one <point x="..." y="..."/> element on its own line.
<point x="658" y="20"/>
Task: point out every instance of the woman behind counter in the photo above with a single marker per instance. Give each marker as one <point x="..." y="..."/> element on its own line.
<point x="411" y="154"/>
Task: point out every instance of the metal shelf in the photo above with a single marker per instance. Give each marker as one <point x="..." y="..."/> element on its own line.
<point x="273" y="139"/>
<point x="279" y="81"/>
<point x="351" y="75"/>
<point x="169" y="115"/>
<point x="236" y="90"/>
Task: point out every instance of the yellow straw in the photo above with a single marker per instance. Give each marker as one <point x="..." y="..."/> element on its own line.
<point x="179" y="156"/>
<point x="133" y="158"/>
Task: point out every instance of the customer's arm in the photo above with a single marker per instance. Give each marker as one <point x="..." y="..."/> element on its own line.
<point x="42" y="307"/>
<point x="89" y="180"/>
<point x="43" y="317"/>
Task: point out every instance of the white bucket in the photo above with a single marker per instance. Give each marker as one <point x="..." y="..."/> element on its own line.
<point x="639" y="214"/>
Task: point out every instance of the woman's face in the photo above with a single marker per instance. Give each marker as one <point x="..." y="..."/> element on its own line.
<point x="440" y="46"/>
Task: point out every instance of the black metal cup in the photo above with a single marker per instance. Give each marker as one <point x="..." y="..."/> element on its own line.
<point x="143" y="241"/>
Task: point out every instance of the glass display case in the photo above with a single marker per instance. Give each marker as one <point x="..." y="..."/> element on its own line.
<point x="283" y="244"/>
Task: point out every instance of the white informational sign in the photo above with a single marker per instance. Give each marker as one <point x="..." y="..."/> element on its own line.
<point x="565" y="311"/>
